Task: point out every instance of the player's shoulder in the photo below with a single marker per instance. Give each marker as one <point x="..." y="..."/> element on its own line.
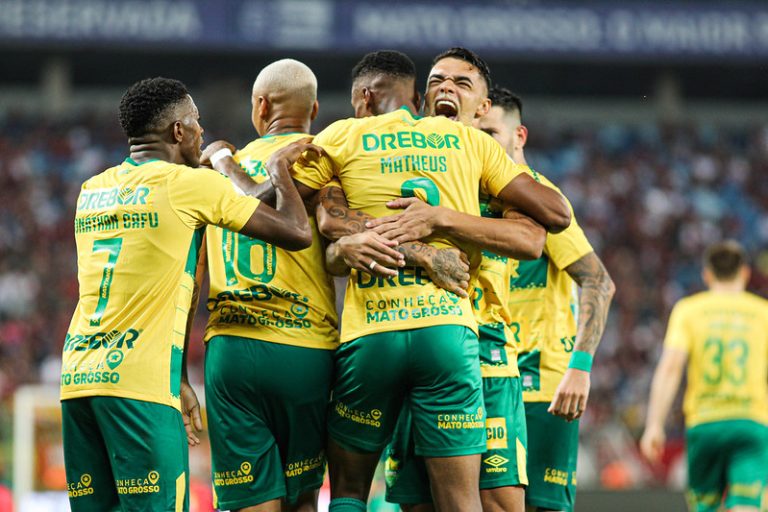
<point x="701" y="301"/>
<point x="249" y="149"/>
<point x="696" y="298"/>
<point x="269" y="143"/>
<point x="343" y="125"/>
<point x="103" y="179"/>
<point x="690" y="303"/>
<point x="125" y="171"/>
<point x="476" y="135"/>
<point x="756" y="301"/>
<point x="541" y="178"/>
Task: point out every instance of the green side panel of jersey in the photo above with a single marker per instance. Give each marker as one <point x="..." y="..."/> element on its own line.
<point x="530" y="370"/>
<point x="530" y="274"/>
<point x="194" y="251"/>
<point x="177" y="357"/>
<point x="494" y="256"/>
<point x="492" y="342"/>
<point x="488" y="212"/>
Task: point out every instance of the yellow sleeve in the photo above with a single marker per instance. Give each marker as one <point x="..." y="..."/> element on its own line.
<point x="202" y="196"/>
<point x="317" y="172"/>
<point x="677" y="333"/>
<point x="569" y="245"/>
<point x="498" y="169"/>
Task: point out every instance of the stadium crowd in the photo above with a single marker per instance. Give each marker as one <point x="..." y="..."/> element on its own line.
<point x="650" y="198"/>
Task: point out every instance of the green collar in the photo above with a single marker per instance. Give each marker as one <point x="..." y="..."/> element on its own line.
<point x="409" y="111"/>
<point x="134" y="162"/>
<point x="269" y="136"/>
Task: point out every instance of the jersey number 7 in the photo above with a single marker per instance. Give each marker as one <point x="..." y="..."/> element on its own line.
<point x="112" y="247"/>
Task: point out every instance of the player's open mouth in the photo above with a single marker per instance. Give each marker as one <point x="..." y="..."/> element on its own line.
<point x="447" y="108"/>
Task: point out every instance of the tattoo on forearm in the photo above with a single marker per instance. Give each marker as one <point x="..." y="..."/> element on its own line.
<point x="447" y="264"/>
<point x="333" y="200"/>
<point x="597" y="290"/>
<point x="444" y="266"/>
<point x="415" y="252"/>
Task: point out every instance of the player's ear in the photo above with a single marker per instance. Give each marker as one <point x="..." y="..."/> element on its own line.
<point x="522" y="135"/>
<point x="745" y="273"/>
<point x="368" y="99"/>
<point x="417" y="100"/>
<point x="263" y="107"/>
<point x="315" y="109"/>
<point x="177" y="132"/>
<point x="483" y="108"/>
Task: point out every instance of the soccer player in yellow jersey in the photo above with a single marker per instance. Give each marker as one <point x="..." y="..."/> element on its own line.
<point x="721" y="335"/>
<point x="138" y="227"/>
<point x="402" y="336"/>
<point x="271" y="332"/>
<point x="458" y="88"/>
<point x="552" y="344"/>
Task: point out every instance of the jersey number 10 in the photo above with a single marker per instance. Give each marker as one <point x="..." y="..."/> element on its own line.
<point x="236" y="249"/>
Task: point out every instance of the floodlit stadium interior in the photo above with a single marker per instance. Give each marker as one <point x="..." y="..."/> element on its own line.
<point x="651" y="117"/>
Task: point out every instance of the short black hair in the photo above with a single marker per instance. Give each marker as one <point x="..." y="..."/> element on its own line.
<point x="146" y="101"/>
<point x="725" y="259"/>
<point x="457" y="52"/>
<point x="385" y="62"/>
<point x="506" y="99"/>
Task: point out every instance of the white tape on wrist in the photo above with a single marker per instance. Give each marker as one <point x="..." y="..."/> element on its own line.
<point x="222" y="153"/>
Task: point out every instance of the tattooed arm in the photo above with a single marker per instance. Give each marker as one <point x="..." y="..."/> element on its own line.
<point x="358" y="248"/>
<point x="334" y="217"/>
<point x="597" y="290"/>
<point x="516" y="235"/>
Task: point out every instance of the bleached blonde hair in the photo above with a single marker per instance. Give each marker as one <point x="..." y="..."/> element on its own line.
<point x="287" y="79"/>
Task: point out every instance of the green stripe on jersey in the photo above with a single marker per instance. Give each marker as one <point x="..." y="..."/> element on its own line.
<point x="530" y="274"/>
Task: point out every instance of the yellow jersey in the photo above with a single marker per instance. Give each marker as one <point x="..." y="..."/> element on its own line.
<point x="262" y="292"/>
<point x="490" y="304"/>
<point x="138" y="231"/>
<point x="543" y="303"/>
<point x="381" y="158"/>
<point x="726" y="338"/>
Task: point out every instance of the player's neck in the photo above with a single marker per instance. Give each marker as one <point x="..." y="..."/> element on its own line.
<point x="285" y="125"/>
<point x="517" y="156"/>
<point x="735" y="286"/>
<point x="141" y="153"/>
<point x="394" y="102"/>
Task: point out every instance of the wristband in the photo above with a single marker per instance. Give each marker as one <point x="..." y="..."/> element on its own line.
<point x="218" y="155"/>
<point x="581" y="361"/>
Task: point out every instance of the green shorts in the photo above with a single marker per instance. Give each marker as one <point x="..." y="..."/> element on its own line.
<point x="727" y="458"/>
<point x="436" y="368"/>
<point x="503" y="464"/>
<point x="123" y="454"/>
<point x="552" y="469"/>
<point x="266" y="406"/>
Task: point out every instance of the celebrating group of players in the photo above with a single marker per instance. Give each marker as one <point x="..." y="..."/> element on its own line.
<point x="460" y="354"/>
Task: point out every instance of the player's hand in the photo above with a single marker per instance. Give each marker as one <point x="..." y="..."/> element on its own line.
<point x="449" y="269"/>
<point x="190" y="413"/>
<point x="210" y="149"/>
<point x="301" y="151"/>
<point x="571" y="395"/>
<point x="418" y="220"/>
<point x="371" y="253"/>
<point x="652" y="443"/>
